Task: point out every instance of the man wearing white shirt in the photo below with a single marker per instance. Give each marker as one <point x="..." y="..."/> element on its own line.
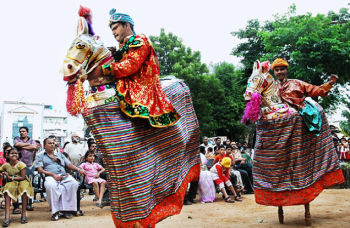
<point x="75" y="150"/>
<point x="205" y="143"/>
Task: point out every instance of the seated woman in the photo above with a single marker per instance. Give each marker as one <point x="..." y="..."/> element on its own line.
<point x="93" y="171"/>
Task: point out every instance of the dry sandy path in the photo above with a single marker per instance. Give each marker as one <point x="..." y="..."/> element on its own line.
<point x="330" y="209"/>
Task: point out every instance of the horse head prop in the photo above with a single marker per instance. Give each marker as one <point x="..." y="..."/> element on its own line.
<point x="85" y="54"/>
<point x="261" y="95"/>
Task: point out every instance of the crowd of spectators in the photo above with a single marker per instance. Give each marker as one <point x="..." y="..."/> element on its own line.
<point x="226" y="168"/>
<point x="62" y="169"/>
<point x="341" y="145"/>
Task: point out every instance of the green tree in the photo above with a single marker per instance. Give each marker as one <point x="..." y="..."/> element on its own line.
<point x="178" y="60"/>
<point x="217" y="98"/>
<point x="175" y="58"/>
<point x="345" y="125"/>
<point x="315" y="46"/>
<point x="229" y="113"/>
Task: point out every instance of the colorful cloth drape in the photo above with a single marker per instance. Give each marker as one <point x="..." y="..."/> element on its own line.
<point x="292" y="165"/>
<point x="149" y="168"/>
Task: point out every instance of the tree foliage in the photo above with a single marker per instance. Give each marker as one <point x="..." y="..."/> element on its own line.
<point x="345" y="125"/>
<point x="217" y="97"/>
<point x="174" y="58"/>
<point x="315" y="46"/>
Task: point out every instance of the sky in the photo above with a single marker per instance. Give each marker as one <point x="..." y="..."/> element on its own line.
<point x="36" y="34"/>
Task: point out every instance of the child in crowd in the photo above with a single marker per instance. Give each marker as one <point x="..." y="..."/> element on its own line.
<point x="93" y="171"/>
<point x="221" y="154"/>
<point x="6" y="146"/>
<point x="220" y="175"/>
<point x="344" y="150"/>
<point x="18" y="185"/>
<point x="235" y="175"/>
<point x="216" y="150"/>
<point x="209" y="154"/>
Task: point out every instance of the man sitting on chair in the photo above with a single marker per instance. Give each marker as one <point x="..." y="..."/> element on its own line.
<point x="61" y="188"/>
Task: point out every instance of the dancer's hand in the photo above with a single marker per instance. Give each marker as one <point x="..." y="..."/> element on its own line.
<point x="333" y="79"/>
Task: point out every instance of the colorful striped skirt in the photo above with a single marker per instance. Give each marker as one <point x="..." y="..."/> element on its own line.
<point x="292" y="165"/>
<point x="149" y="168"/>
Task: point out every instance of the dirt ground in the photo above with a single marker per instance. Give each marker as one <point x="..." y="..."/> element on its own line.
<point x="330" y="209"/>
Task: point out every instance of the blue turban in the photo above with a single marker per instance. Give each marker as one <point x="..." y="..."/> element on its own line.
<point x="119" y="17"/>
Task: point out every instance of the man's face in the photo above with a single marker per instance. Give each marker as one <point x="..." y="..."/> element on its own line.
<point x="120" y="32"/>
<point x="218" y="141"/>
<point x="222" y="151"/>
<point x="245" y="146"/>
<point x="205" y="140"/>
<point x="23" y="133"/>
<point x="228" y="151"/>
<point x="75" y="139"/>
<point x="37" y="145"/>
<point x="93" y="147"/>
<point x="280" y="72"/>
<point x="49" y="145"/>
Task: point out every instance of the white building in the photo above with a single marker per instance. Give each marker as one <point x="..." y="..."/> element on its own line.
<point x="15" y="114"/>
<point x="54" y="123"/>
<point x="42" y="120"/>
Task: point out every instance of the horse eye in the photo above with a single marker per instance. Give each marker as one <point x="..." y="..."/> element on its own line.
<point x="80" y="45"/>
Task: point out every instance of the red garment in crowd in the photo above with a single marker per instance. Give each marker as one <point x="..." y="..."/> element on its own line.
<point x="219" y="157"/>
<point x="344" y="153"/>
<point x="2" y="161"/>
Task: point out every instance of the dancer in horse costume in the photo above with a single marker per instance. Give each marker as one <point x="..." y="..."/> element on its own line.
<point x="147" y="132"/>
<point x="295" y="158"/>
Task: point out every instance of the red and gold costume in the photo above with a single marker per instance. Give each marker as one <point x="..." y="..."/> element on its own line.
<point x="138" y="86"/>
<point x="295" y="91"/>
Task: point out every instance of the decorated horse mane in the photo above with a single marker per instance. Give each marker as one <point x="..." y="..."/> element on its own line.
<point x="85" y="54"/>
<point x="262" y="97"/>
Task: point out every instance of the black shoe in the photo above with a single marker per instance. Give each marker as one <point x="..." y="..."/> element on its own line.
<point x="100" y="205"/>
<point x="66" y="215"/>
<point x="24" y="220"/>
<point x="187" y="202"/>
<point x="54" y="217"/>
<point x="193" y="201"/>
<point x="6" y="222"/>
<point x="30" y="208"/>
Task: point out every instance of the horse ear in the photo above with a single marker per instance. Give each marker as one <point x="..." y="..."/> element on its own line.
<point x="265" y="66"/>
<point x="83" y="27"/>
<point x="256" y="66"/>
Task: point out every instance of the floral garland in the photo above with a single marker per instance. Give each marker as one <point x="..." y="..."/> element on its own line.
<point x="76" y="103"/>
